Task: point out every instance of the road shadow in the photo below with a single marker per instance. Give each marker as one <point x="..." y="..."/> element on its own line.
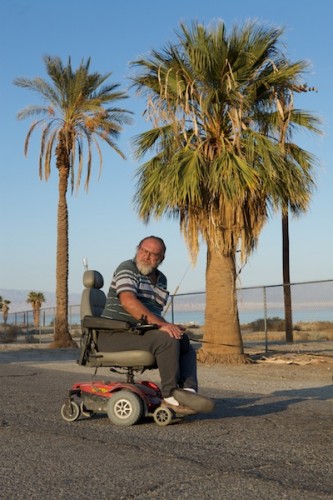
<point x="259" y="405"/>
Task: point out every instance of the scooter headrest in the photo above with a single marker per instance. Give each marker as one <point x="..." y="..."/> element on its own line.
<point x="93" y="279"/>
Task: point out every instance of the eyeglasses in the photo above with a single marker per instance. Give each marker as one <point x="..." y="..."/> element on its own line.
<point x="148" y="253"/>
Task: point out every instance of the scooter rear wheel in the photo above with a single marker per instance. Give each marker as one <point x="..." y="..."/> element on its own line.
<point x="125" y="408"/>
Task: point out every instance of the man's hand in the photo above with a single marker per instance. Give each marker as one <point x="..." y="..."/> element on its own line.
<point x="173" y="330"/>
<point x="133" y="306"/>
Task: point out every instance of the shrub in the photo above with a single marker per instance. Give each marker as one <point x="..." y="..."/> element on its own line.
<point x="9" y="334"/>
<point x="277" y="324"/>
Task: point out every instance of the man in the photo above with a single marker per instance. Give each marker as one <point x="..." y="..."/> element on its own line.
<point x="139" y="289"/>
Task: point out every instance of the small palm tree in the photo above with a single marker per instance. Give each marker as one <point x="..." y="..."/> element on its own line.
<point x="4" y="307"/>
<point x="36" y="299"/>
<point x="213" y="165"/>
<point x="78" y="108"/>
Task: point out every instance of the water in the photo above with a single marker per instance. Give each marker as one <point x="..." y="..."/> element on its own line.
<point x="197" y="317"/>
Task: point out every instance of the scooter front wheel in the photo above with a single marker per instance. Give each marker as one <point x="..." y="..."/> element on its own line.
<point x="163" y="416"/>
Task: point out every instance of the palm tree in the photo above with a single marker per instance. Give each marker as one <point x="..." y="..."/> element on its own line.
<point x="78" y="108"/>
<point x="36" y="299"/>
<point x="280" y="125"/>
<point x="288" y="119"/>
<point x="4" y="308"/>
<point x="212" y="167"/>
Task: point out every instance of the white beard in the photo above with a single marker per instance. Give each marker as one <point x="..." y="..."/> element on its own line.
<point x="145" y="269"/>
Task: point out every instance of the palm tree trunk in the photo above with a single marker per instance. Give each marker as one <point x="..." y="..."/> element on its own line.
<point x="36" y="316"/>
<point x="62" y="337"/>
<point x="286" y="279"/>
<point x="222" y="340"/>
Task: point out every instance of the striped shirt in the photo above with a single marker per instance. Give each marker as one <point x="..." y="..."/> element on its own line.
<point x="127" y="278"/>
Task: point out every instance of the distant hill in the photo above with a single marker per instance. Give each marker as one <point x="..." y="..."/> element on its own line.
<point x="18" y="299"/>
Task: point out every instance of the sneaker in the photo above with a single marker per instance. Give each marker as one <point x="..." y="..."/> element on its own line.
<point x="178" y="409"/>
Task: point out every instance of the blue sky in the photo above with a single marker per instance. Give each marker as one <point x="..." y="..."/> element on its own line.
<point x="104" y="227"/>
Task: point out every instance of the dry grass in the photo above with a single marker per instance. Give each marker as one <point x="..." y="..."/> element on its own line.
<point x="303" y="332"/>
<point x="304" y="336"/>
<point x="317" y="326"/>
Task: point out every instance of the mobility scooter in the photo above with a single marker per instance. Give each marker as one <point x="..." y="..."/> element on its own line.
<point x="125" y="403"/>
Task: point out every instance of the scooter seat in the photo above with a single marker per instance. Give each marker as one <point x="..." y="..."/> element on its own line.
<point x="128" y="359"/>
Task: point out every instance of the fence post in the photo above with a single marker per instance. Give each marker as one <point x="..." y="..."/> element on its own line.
<point x="265" y="319"/>
<point x="54" y="316"/>
<point x="172" y="310"/>
<point x="70" y="319"/>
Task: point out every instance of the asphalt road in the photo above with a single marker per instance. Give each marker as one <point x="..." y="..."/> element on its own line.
<point x="269" y="436"/>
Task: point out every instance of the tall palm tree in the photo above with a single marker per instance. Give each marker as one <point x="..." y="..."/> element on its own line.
<point x="36" y="299"/>
<point x="280" y="125"/>
<point x="211" y="166"/>
<point x="287" y="120"/>
<point x="78" y="108"/>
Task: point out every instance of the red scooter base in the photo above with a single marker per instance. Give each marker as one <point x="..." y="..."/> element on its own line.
<point x="125" y="404"/>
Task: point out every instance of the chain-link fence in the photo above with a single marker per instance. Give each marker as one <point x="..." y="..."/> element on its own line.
<point x="25" y="319"/>
<point x="262" y="315"/>
<point x="261" y="311"/>
<point x="311" y="302"/>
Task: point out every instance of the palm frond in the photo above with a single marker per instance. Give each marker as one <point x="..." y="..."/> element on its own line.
<point x="78" y="104"/>
<point x="217" y="162"/>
